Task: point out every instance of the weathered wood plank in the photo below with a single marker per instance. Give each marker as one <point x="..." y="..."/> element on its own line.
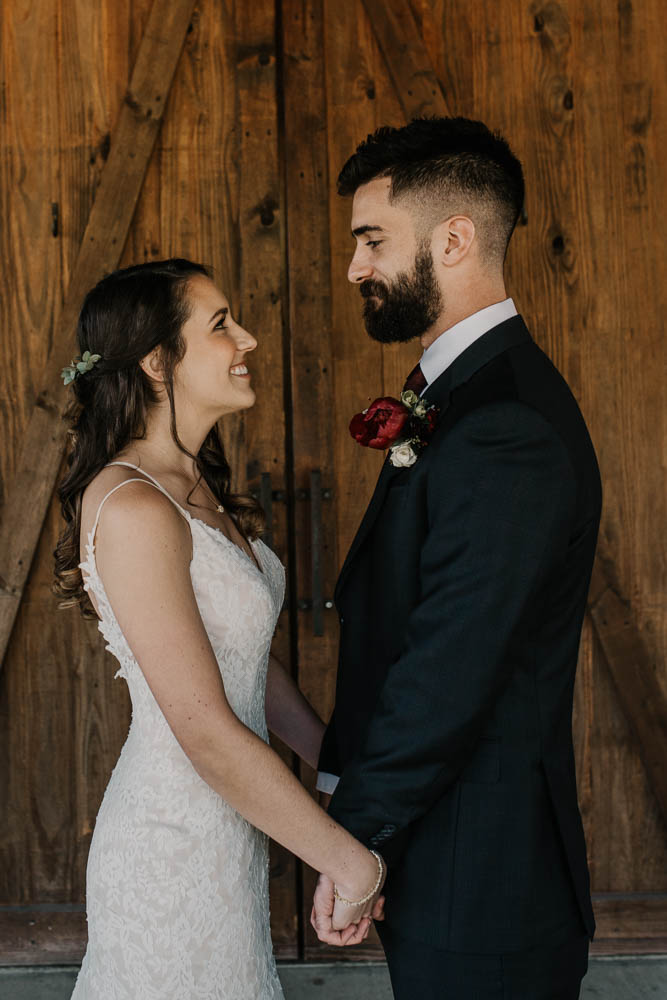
<point x="359" y="97"/>
<point x="626" y="924"/>
<point x="102" y="245"/>
<point x="634" y="675"/>
<point x="416" y="85"/>
<point x="62" y="718"/>
<point x="447" y="31"/>
<point x="29" y="188"/>
<point x="619" y="173"/>
<point x="263" y="296"/>
<point x="42" y="935"/>
<point x="630" y="923"/>
<point x="310" y="349"/>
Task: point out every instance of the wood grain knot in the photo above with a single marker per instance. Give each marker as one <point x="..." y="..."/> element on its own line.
<point x="141" y="111"/>
<point x="44" y="403"/>
<point x="267" y="208"/>
<point x="103" y="148"/>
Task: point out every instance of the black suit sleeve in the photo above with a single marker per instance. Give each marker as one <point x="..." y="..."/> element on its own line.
<point x="501" y="492"/>
<point x="328" y="760"/>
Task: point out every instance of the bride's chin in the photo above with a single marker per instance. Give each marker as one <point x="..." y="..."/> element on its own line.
<point x="252" y="399"/>
<point x="237" y="407"/>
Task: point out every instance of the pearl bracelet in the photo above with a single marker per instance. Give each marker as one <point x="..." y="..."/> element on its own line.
<point x="369" y="895"/>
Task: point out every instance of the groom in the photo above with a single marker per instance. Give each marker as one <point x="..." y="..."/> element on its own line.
<point x="462" y="597"/>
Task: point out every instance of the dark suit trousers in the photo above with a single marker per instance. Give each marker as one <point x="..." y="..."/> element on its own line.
<point x="552" y="971"/>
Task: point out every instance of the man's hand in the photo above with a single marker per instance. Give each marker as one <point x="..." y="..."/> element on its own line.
<point x="321" y="918"/>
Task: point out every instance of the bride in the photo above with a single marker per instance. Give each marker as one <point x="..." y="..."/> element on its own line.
<point x="187" y="596"/>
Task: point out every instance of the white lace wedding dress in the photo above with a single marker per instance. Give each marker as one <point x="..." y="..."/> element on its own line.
<point x="177" y="881"/>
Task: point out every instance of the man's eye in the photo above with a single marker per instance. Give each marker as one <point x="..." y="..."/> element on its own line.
<point x="220" y="325"/>
<point x="374" y="243"/>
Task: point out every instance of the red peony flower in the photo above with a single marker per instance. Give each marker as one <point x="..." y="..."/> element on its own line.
<point x="381" y="424"/>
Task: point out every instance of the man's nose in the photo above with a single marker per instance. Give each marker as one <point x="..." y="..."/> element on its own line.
<point x="359" y="270"/>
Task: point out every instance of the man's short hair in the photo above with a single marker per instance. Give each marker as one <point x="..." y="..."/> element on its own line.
<point x="445" y="165"/>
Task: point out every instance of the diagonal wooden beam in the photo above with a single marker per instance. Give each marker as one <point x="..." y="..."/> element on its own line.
<point x="417" y="87"/>
<point x="101" y="248"/>
<point x="633" y="673"/>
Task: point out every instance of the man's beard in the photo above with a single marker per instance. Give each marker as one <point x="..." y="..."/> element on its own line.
<point x="408" y="307"/>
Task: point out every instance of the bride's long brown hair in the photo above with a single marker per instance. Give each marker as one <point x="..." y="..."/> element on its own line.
<point x="123" y="318"/>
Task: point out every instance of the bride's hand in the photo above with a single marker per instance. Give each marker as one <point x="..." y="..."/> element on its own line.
<point x="370" y="903"/>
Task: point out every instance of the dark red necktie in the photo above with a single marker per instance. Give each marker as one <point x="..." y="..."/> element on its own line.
<point x="415" y="381"/>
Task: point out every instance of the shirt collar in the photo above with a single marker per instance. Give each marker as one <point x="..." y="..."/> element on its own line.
<point x="447" y="347"/>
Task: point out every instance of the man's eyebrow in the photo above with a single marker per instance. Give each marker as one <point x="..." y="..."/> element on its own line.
<point x="219" y="312"/>
<point x="360" y="230"/>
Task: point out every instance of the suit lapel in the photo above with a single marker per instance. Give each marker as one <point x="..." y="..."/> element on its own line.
<point x="387" y="474"/>
<point x="508" y="334"/>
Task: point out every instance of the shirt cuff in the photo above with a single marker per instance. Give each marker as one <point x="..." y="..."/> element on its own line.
<point x="326" y="782"/>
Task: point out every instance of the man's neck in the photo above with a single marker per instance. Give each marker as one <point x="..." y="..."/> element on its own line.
<point x="461" y="309"/>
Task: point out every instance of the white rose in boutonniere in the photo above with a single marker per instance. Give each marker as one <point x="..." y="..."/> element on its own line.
<point x="409" y="398"/>
<point x="403" y="455"/>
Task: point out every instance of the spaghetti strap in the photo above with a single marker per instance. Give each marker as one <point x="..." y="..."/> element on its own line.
<point x="152" y="479"/>
<point x="149" y="482"/>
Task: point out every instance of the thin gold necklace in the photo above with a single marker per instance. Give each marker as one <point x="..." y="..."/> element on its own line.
<point x="219" y="507"/>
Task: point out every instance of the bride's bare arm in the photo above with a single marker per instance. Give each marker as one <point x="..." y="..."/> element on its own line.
<point x="143" y="549"/>
<point x="291" y="716"/>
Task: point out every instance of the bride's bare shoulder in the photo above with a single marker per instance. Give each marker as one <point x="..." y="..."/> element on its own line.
<point x="139" y="506"/>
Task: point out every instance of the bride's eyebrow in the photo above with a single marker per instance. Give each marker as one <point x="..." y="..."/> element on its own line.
<point x="219" y="312"/>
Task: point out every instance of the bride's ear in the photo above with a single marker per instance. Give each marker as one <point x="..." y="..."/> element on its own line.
<point x="151" y="365"/>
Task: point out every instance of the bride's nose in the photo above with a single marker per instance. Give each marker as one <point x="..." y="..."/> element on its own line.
<point x="245" y="340"/>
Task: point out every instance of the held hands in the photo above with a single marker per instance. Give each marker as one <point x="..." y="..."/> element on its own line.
<point x="340" y="922"/>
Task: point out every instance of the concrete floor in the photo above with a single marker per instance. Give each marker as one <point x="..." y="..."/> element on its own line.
<point x="643" y="978"/>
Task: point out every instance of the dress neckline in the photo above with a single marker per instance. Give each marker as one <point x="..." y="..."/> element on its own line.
<point x="253" y="562"/>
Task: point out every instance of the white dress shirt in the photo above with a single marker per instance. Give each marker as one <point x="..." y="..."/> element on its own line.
<point x="434" y="361"/>
<point x="446" y="348"/>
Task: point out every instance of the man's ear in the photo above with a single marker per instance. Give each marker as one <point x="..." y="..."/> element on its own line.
<point x="151" y="364"/>
<point x="452" y="240"/>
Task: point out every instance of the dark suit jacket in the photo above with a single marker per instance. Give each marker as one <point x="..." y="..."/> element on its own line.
<point x="461" y="603"/>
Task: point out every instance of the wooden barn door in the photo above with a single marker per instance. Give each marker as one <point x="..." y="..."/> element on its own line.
<point x="267" y="101"/>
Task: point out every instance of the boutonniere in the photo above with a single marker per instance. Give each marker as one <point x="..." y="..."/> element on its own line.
<point x="404" y="426"/>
